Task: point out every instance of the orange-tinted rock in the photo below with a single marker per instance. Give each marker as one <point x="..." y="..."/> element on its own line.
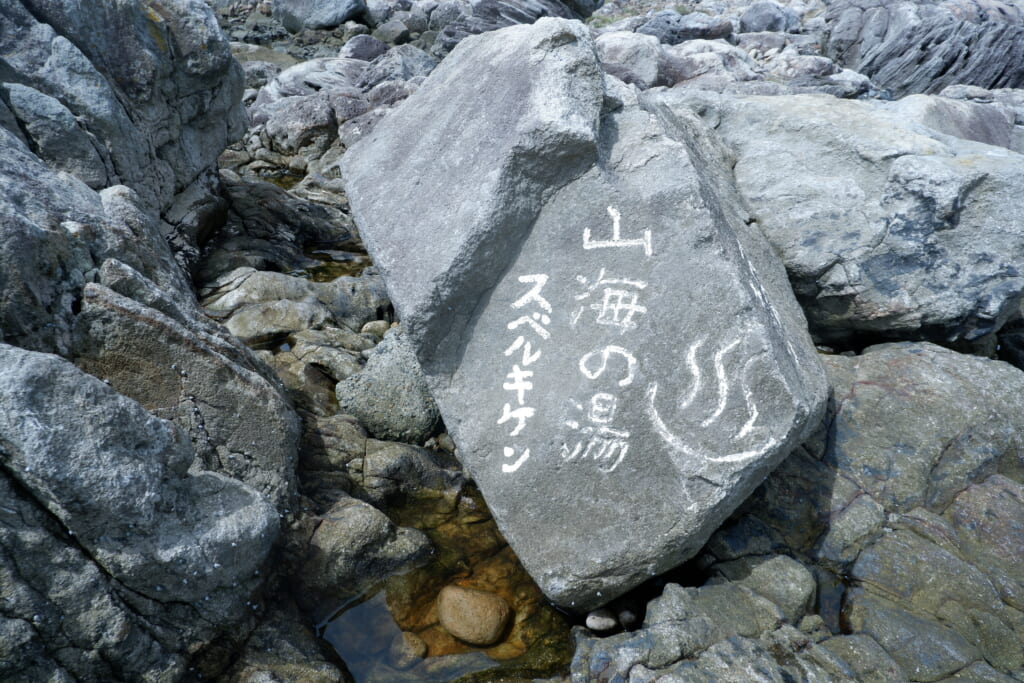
<point x="473" y="616"/>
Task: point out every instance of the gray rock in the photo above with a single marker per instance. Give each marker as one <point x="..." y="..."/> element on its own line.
<point x="392" y="32"/>
<point x="295" y="122"/>
<point x="630" y="57"/>
<point x="56" y="135"/>
<point x="672" y="28"/>
<point x="390" y="396"/>
<point x="913" y="46"/>
<point x="363" y="47"/>
<point x="887" y="226"/>
<point x="296" y="15"/>
<point x="325" y="75"/>
<point x="238" y="422"/>
<point x="706" y="64"/>
<point x="491" y="15"/>
<point x="592" y="398"/>
<point x="159" y="95"/>
<point x="115" y="478"/>
<point x="781" y="579"/>
<point x="401" y="63"/>
<point x="768" y="16"/>
<point x="354" y="546"/>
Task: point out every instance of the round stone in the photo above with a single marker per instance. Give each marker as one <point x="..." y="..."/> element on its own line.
<point x="473" y="616"/>
<point x="601" y="620"/>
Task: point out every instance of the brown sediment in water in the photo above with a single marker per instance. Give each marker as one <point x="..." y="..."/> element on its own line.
<point x="470" y="552"/>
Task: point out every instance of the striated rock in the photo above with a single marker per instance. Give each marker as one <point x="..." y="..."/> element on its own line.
<point x="913" y="46"/>
<point x="474" y="616"/>
<point x="390" y="396"/>
<point x="891" y="220"/>
<point x="490" y="15"/>
<point x="583" y="368"/>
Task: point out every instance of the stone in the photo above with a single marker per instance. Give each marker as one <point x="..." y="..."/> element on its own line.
<point x="407" y="649"/>
<point x="56" y="136"/>
<point x="156" y="96"/>
<point x="355" y="546"/>
<point x="630" y="57"/>
<point x="366" y="48"/>
<point x="569" y="423"/>
<point x="602" y="620"/>
<point x="106" y="473"/>
<point x="781" y="579"/>
<point x="913" y="46"/>
<point x="871" y="208"/>
<point x="672" y="28"/>
<point x="295" y="122"/>
<point x="475" y="616"/>
<point x="390" y="396"/>
<point x="768" y="16"/>
<point x="392" y="32"/>
<point x="400" y="63"/>
<point x="297" y="15"/>
<point x="491" y="15"/>
<point x="708" y="64"/>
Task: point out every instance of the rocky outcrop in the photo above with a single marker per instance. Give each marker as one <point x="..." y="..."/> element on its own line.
<point x="922" y="47"/>
<point x="902" y="508"/>
<point x="573" y="319"/>
<point x="894" y="219"/>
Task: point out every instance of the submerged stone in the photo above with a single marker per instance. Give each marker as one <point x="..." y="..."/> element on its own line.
<point x="616" y="353"/>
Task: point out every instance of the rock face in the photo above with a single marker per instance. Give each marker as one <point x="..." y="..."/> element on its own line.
<point x="138" y="97"/>
<point x="894" y="219"/>
<point x="588" y="388"/>
<point x="116" y="478"/>
<point x="918" y="465"/>
<point x="921" y="47"/>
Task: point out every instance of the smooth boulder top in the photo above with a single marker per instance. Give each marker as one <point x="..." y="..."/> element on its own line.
<point x="618" y="356"/>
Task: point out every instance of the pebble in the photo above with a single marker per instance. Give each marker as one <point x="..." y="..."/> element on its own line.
<point x="601" y="620"/>
<point x="473" y="616"/>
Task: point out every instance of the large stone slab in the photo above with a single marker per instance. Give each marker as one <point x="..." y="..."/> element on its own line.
<point x="617" y="355"/>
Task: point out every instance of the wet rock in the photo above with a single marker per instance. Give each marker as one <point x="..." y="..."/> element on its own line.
<point x="868" y="661"/>
<point x="768" y="16"/>
<point x="474" y="616"/>
<point x="590" y="397"/>
<point x="407" y="649"/>
<point x="922" y="47"/>
<point x="355" y="546"/>
<point x="672" y="28"/>
<point x="885" y="202"/>
<point x="264" y="321"/>
<point x="390" y="396"/>
<point x="630" y="57"/>
<point x="296" y="15"/>
<point x="284" y="647"/>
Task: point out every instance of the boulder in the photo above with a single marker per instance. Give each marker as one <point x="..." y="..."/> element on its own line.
<point x="296" y="15"/>
<point x="917" y="46"/>
<point x="390" y="396"/>
<point x="490" y="15"/>
<point x="162" y="557"/>
<point x="893" y="222"/>
<point x="630" y="57"/>
<point x="672" y="28"/>
<point x="363" y="47"/>
<point x="582" y="348"/>
<point x="768" y="16"/>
